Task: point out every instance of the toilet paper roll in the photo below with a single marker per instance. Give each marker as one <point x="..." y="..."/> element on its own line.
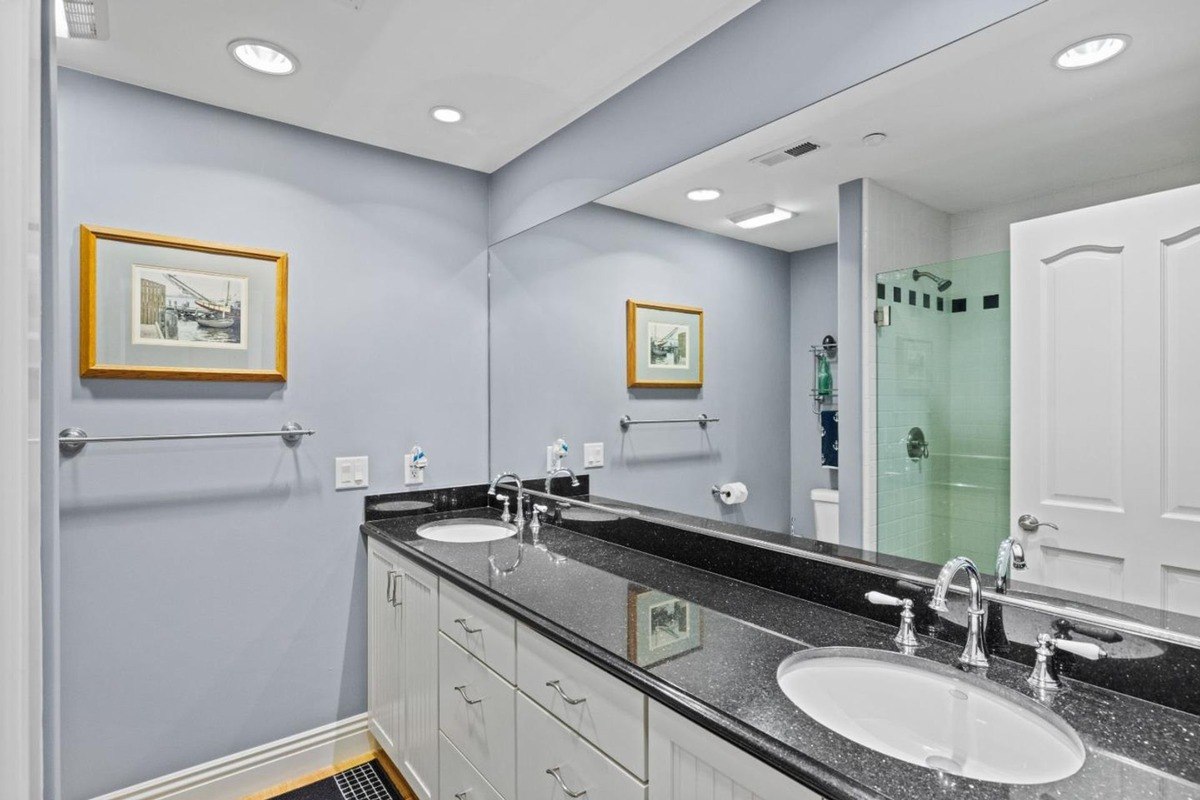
<point x="734" y="493"/>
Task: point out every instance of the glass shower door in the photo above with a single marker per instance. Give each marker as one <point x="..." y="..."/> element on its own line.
<point x="942" y="410"/>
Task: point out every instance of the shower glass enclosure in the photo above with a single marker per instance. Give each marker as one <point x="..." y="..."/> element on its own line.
<point x="942" y="410"/>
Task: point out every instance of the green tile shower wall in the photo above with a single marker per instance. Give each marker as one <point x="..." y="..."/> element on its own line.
<point x="948" y="373"/>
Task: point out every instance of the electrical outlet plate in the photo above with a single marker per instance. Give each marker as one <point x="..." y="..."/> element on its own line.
<point x="593" y="455"/>
<point x="350" y="473"/>
<point x="412" y="475"/>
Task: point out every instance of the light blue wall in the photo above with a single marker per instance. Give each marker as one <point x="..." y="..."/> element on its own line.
<point x="558" y="361"/>
<point x="212" y="593"/>
<point x="851" y="222"/>
<point x="814" y="313"/>
<point x="775" y="58"/>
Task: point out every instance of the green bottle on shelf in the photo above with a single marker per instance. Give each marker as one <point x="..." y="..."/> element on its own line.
<point x="824" y="376"/>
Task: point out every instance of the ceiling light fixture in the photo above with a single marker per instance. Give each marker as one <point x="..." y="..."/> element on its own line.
<point x="1091" y="52"/>
<point x="759" y="216"/>
<point x="447" y="114"/>
<point x="874" y="139"/>
<point x="264" y="57"/>
<point x="703" y="195"/>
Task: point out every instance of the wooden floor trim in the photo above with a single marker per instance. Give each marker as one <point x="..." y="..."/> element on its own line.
<point x="394" y="776"/>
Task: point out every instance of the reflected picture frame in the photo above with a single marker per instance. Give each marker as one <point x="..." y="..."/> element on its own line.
<point x="664" y="345"/>
<point x="274" y="276"/>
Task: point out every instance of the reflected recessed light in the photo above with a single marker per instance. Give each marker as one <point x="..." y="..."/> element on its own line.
<point x="760" y="215"/>
<point x="264" y="57"/>
<point x="446" y="114"/>
<point x="703" y="195"/>
<point x="874" y="139"/>
<point x="1091" y="52"/>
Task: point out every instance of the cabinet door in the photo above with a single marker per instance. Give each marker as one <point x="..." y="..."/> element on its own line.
<point x="687" y="762"/>
<point x="383" y="648"/>
<point x="419" y="659"/>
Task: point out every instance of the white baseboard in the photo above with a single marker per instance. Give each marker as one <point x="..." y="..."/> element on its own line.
<point x="258" y="768"/>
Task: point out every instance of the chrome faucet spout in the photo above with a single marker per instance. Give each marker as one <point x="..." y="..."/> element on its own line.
<point x="516" y="479"/>
<point x="974" y="654"/>
<point x="1010" y="556"/>
<point x="550" y="476"/>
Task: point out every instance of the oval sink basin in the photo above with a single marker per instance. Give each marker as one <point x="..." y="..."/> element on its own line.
<point x="464" y="531"/>
<point x="933" y="716"/>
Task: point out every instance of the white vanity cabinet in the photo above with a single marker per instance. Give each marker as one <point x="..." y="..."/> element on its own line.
<point x="402" y="665"/>
<point x="687" y="762"/>
<point x="471" y="705"/>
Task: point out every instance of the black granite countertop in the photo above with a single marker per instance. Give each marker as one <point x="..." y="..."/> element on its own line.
<point x="579" y="590"/>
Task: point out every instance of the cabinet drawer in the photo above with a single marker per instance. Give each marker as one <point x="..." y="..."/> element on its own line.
<point x="460" y="780"/>
<point x="480" y="717"/>
<point x="607" y="712"/>
<point x="578" y="765"/>
<point x="481" y="629"/>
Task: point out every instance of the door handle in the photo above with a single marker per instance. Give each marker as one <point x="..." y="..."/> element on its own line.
<point x="1030" y="523"/>
<point x="391" y="586"/>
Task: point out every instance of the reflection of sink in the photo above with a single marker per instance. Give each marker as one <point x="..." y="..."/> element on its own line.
<point x="927" y="714"/>
<point x="466" y="530"/>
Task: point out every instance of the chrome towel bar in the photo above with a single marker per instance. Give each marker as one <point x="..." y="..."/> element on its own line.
<point x="702" y="420"/>
<point x="73" y="440"/>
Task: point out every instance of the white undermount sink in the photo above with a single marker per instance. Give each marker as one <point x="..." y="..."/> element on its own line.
<point x="463" y="531"/>
<point x="926" y="714"/>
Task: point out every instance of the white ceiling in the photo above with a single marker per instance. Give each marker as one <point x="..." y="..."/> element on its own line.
<point x="983" y="122"/>
<point x="519" y="69"/>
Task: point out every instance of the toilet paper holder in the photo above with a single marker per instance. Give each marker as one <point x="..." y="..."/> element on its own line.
<point x="716" y="492"/>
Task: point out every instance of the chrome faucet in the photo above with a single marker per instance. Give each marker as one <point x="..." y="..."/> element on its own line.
<point x="520" y="519"/>
<point x="1011" y="556"/>
<point x="974" y="654"/>
<point x="554" y="473"/>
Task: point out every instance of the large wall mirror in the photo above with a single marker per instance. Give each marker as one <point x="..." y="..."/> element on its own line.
<point x="946" y="311"/>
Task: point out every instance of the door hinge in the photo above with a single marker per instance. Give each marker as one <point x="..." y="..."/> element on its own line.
<point x="883" y="316"/>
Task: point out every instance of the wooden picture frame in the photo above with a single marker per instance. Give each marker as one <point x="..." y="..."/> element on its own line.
<point x="639" y="372"/>
<point x="89" y="292"/>
<point x="649" y="611"/>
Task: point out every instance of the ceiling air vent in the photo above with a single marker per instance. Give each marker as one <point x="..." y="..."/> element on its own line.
<point x="785" y="154"/>
<point x="85" y="19"/>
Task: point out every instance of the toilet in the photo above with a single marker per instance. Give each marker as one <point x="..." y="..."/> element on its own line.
<point x="825" y="514"/>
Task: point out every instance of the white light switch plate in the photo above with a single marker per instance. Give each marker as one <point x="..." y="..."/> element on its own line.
<point x="350" y="472"/>
<point x="593" y="454"/>
<point x="412" y="475"/>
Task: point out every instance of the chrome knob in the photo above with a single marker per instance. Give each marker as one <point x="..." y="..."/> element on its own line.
<point x="1030" y="523"/>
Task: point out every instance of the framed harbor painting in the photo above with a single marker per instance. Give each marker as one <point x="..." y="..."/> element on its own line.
<point x="166" y="308"/>
<point x="664" y="345"/>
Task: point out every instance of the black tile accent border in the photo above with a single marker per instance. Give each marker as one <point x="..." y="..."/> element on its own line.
<point x="880" y="291"/>
<point x="897" y="295"/>
<point x="912" y="297"/>
<point x="941" y="304"/>
<point x="925" y="300"/>
<point x="958" y="304"/>
<point x="991" y="301"/>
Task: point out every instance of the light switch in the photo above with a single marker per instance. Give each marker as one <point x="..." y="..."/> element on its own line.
<point x="593" y="454"/>
<point x="350" y="473"/>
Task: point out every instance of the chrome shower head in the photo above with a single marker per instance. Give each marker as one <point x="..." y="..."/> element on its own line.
<point x="942" y="283"/>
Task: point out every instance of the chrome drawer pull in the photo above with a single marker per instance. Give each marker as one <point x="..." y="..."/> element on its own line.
<point x="462" y="795"/>
<point x="470" y="702"/>
<point x="574" y="701"/>
<point x="554" y="771"/>
<point x="463" y="622"/>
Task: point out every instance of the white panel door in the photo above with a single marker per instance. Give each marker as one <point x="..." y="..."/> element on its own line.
<point x="418" y="591"/>
<point x="688" y="763"/>
<point x="1105" y="392"/>
<point x="383" y="649"/>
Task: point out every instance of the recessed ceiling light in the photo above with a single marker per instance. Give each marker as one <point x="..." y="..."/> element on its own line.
<point x="874" y="139"/>
<point x="760" y="215"/>
<point x="446" y="114"/>
<point x="264" y="57"/>
<point x="703" y="195"/>
<point x="1091" y="52"/>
